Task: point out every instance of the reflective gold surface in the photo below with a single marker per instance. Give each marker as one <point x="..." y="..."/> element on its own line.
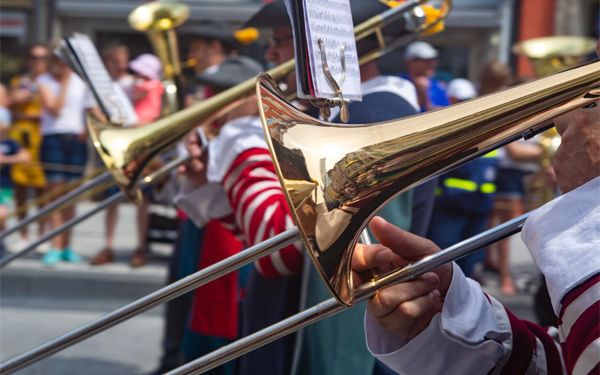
<point x="555" y="53"/>
<point x="347" y="173"/>
<point x="549" y="55"/>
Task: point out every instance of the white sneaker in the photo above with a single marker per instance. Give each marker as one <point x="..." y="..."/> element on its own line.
<point x="43" y="248"/>
<point x="17" y="246"/>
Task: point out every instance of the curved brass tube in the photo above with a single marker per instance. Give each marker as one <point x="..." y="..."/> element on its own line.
<point x="369" y="165"/>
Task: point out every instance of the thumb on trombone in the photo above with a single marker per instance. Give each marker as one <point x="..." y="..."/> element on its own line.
<point x="404" y="309"/>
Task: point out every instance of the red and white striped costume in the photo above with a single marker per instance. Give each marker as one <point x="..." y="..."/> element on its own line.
<point x="244" y="193"/>
<point x="475" y="334"/>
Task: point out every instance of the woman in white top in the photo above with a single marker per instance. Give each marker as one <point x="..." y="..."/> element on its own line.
<point x="65" y="99"/>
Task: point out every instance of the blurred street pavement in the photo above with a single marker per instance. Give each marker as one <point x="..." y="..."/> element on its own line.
<point x="40" y="303"/>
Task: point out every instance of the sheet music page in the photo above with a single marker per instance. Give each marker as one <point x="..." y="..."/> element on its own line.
<point x="111" y="95"/>
<point x="331" y="20"/>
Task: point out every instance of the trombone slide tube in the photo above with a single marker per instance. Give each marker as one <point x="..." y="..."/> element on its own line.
<point x="154" y="299"/>
<point x="63" y="228"/>
<point x="331" y="307"/>
<point x="104" y="204"/>
<point x="57" y="203"/>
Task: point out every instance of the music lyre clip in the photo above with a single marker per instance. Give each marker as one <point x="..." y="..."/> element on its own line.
<point x="326" y="104"/>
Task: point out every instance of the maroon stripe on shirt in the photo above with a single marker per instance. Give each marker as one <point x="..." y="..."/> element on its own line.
<point x="523" y="347"/>
<point x="553" y="362"/>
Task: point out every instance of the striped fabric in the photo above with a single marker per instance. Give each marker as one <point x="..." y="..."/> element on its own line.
<point x="260" y="210"/>
<point x="533" y="350"/>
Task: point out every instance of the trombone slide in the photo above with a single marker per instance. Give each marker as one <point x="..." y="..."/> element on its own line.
<point x="365" y="291"/>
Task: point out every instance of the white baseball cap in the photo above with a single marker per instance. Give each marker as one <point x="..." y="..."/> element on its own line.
<point x="461" y="89"/>
<point x="420" y="50"/>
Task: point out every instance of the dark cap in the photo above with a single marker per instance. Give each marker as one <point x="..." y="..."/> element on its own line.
<point x="233" y="71"/>
<point x="275" y="14"/>
<point x="213" y="30"/>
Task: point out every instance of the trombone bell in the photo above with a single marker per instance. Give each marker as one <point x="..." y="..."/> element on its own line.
<point x="336" y="177"/>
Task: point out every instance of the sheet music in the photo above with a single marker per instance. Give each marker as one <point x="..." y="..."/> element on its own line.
<point x="331" y="20"/>
<point x="84" y="59"/>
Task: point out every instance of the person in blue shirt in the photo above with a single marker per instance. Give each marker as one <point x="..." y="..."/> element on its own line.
<point x="421" y="62"/>
<point x="465" y="195"/>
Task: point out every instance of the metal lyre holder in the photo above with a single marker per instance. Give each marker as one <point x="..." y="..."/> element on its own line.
<point x="326" y="104"/>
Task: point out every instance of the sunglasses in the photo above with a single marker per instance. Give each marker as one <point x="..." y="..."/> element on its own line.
<point x="36" y="57"/>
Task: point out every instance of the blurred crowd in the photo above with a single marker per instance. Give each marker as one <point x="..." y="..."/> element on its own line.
<point x="44" y="149"/>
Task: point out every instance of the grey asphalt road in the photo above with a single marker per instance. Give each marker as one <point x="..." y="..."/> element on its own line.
<point x="131" y="348"/>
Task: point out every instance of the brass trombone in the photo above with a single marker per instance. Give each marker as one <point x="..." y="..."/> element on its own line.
<point x="393" y="156"/>
<point x="127" y="151"/>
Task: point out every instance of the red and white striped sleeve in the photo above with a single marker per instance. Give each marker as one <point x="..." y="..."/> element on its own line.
<point x="573" y="348"/>
<point x="579" y="328"/>
<point x="260" y="210"/>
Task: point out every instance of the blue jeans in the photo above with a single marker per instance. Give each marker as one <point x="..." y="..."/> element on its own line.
<point x="449" y="227"/>
<point x="65" y="150"/>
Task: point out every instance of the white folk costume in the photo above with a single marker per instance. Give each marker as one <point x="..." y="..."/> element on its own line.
<point x="475" y="334"/>
<point x="244" y="193"/>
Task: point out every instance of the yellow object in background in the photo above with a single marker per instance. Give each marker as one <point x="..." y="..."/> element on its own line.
<point x="27" y="133"/>
<point x="432" y="15"/>
<point x="246" y="36"/>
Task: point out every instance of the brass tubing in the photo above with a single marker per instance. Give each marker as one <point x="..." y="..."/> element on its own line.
<point x="126" y="151"/>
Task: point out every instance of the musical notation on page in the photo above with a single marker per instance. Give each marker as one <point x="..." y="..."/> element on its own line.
<point x="329" y="4"/>
<point x="82" y="55"/>
<point x="331" y="21"/>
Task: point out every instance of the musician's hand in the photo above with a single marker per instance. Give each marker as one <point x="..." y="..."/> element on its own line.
<point x="577" y="159"/>
<point x="403" y="309"/>
<point x="195" y="169"/>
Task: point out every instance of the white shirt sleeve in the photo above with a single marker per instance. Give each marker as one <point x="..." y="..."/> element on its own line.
<point x="469" y="328"/>
<point x="88" y="99"/>
<point x="563" y="237"/>
<point x="204" y="203"/>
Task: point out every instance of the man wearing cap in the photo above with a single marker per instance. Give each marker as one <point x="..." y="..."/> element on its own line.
<point x="211" y="43"/>
<point x="421" y="61"/>
<point x="465" y="195"/>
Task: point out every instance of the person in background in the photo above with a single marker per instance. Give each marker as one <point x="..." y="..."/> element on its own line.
<point x="65" y="99"/>
<point x="10" y="153"/>
<point x="147" y="102"/>
<point x="116" y="59"/>
<point x="421" y="62"/>
<point x="465" y="195"/>
<point x="516" y="160"/>
<point x="211" y="43"/>
<point x="27" y="109"/>
<point x="148" y="89"/>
